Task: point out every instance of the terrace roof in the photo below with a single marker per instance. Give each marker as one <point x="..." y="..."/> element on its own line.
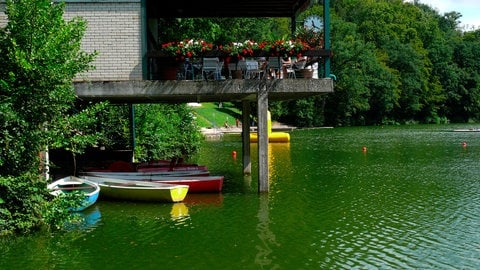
<point x="225" y="8"/>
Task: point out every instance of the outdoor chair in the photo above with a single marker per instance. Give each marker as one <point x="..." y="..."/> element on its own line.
<point x="253" y="70"/>
<point x="212" y="68"/>
<point x="274" y="67"/>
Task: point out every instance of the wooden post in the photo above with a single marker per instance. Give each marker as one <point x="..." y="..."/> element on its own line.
<point x="247" y="163"/>
<point x="262" y="130"/>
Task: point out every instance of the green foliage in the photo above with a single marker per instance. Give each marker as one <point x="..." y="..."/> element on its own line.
<point x="22" y="203"/>
<point x="113" y="123"/>
<point x="56" y="211"/>
<point x="413" y="73"/>
<point x="165" y="131"/>
<point x="222" y="30"/>
<point x="40" y="55"/>
<point x="162" y="131"/>
<point x="76" y="131"/>
<point x="19" y="151"/>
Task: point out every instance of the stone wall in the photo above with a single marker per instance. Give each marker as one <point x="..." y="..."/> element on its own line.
<point x="113" y="30"/>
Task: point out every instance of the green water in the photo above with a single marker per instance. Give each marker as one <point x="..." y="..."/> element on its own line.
<point x="411" y="201"/>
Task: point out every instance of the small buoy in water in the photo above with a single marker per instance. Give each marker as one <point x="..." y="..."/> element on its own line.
<point x="464" y="144"/>
<point x="364" y="149"/>
<point x="234" y="154"/>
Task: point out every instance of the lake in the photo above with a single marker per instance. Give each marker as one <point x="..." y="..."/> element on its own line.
<point x="410" y="201"/>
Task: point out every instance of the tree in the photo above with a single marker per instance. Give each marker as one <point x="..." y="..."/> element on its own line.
<point x="165" y="131"/>
<point x="40" y="55"/>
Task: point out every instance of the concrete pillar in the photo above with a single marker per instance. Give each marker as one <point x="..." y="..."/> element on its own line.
<point x="247" y="163"/>
<point x="131" y="108"/>
<point x="262" y="130"/>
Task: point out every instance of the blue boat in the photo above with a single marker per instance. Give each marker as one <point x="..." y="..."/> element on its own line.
<point x="68" y="184"/>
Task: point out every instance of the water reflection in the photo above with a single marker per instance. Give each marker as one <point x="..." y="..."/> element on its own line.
<point x="209" y="199"/>
<point x="87" y="219"/>
<point x="145" y="214"/>
<point x="247" y="181"/>
<point x="279" y="159"/>
<point x="179" y="213"/>
<point x="279" y="164"/>
<point x="264" y="256"/>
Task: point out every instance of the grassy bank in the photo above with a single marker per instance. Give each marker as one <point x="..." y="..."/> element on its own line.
<point x="215" y="114"/>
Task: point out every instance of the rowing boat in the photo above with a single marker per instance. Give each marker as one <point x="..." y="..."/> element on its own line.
<point x="112" y="188"/>
<point x="89" y="189"/>
<point x="197" y="184"/>
<point x="147" y="174"/>
<point x="165" y="165"/>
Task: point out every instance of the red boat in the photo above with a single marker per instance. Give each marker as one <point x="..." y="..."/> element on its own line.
<point x="146" y="174"/>
<point x="199" y="184"/>
<point x="162" y="165"/>
<point x="165" y="165"/>
<point x="182" y="167"/>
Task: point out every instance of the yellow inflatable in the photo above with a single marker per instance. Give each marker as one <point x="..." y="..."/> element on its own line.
<point x="272" y="136"/>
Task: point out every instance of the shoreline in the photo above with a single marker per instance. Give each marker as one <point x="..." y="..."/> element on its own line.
<point x="216" y="131"/>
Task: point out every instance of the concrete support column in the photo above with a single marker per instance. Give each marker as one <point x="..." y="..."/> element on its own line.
<point x="262" y="130"/>
<point x="247" y="163"/>
<point x="131" y="108"/>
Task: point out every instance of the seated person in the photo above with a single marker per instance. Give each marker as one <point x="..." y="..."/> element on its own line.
<point x="286" y="63"/>
<point x="300" y="62"/>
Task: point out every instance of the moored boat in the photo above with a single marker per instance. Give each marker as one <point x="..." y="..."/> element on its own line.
<point x="65" y="185"/>
<point x="139" y="190"/>
<point x="153" y="166"/>
<point x="179" y="168"/>
<point x="147" y="174"/>
<point x="467" y="130"/>
<point x="197" y="184"/>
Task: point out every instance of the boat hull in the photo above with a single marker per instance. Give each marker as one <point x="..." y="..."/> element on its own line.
<point x="197" y="184"/>
<point x="178" y="168"/>
<point x="148" y="173"/>
<point x="90" y="190"/>
<point x="139" y="190"/>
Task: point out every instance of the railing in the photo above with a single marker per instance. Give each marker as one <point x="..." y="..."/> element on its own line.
<point x="163" y="67"/>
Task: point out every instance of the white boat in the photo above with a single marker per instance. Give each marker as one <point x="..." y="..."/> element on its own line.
<point x="138" y="190"/>
<point x="69" y="184"/>
<point x="467" y="130"/>
<point x="197" y="184"/>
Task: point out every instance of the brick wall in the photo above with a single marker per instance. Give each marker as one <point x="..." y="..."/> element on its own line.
<point x="113" y="30"/>
<point x="3" y="17"/>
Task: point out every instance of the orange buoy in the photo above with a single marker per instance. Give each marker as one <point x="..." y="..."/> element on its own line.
<point x="234" y="154"/>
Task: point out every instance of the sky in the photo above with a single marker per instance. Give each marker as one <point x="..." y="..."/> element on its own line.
<point x="470" y="10"/>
